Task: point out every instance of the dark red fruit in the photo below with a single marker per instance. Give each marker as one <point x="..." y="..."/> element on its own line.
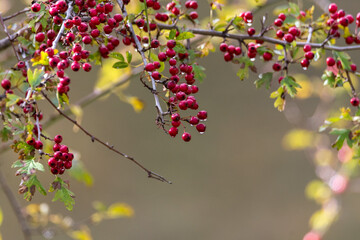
<point x="186" y="137"/>
<point x="355" y="101"/>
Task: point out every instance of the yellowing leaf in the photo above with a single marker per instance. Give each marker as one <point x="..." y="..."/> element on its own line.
<point x="43" y="59"/>
<point x="83" y="234"/>
<point x="118" y="210"/>
<point x="109" y="75"/>
<point x="136" y="103"/>
<point x="256" y="3"/>
<point x="298" y="139"/>
<point x="318" y="191"/>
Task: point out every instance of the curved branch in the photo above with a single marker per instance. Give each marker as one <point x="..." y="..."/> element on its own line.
<point x="107" y="145"/>
<point x="16" y="207"/>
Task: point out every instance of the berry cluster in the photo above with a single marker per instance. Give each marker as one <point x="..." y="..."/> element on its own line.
<point x="180" y="86"/>
<point x="62" y="158"/>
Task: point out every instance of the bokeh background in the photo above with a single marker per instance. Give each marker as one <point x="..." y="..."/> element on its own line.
<point x="234" y="182"/>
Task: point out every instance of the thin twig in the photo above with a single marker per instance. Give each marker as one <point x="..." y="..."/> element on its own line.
<point x="139" y="49"/>
<point x="353" y="91"/>
<point x="107" y="145"/>
<point x="9" y="37"/>
<point x="16" y="207"/>
<point x="16" y="14"/>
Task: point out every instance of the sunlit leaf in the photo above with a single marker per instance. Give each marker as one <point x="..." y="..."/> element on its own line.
<point x="298" y="139"/>
<point x="118" y="210"/>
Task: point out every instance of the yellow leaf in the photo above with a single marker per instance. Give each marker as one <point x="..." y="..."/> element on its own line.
<point x="83" y="234"/>
<point x="256" y="3"/>
<point x="109" y="75"/>
<point x="1" y="218"/>
<point x="136" y="103"/>
<point x="118" y="210"/>
<point x="298" y="139"/>
<point x="43" y="59"/>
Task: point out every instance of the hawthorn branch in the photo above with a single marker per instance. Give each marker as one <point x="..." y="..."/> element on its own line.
<point x="348" y="78"/>
<point x="242" y="37"/>
<point x="140" y="51"/>
<point x="16" y="207"/>
<point x="62" y="28"/>
<point x="9" y="37"/>
<point x="107" y="145"/>
<point x="25" y="10"/>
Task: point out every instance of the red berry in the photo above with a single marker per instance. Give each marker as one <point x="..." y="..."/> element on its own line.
<point x="52" y="162"/>
<point x="36" y="7"/>
<point x="280" y="79"/>
<point x="353" y="67"/>
<point x="289" y="37"/>
<point x="58" y="139"/>
<point x="39" y="37"/>
<point x="355" y="101"/>
<point x="330" y="61"/>
<point x="171" y="44"/>
<point x="333" y="8"/>
<point x="87" y="67"/>
<point x="64" y="149"/>
<point x="278" y="22"/>
<point x="309" y="55"/>
<point x="228" y="57"/>
<point x="150" y="67"/>
<point x="202" y="115"/>
<point x="194" y="15"/>
<point x="38" y="145"/>
<point x="276" y="67"/>
<point x="282" y="16"/>
<point x="175" y="117"/>
<point x="6" y="84"/>
<point x="249" y="16"/>
<point x="251" y="31"/>
<point x="118" y="17"/>
<point x="280" y="34"/>
<point x="194" y="120"/>
<point x="267" y="56"/>
<point x="223" y="47"/>
<point x="305" y="63"/>
<point x="186" y="137"/>
<point x="307" y="48"/>
<point x="75" y="66"/>
<point x="201" y="128"/>
<point x="173" y="131"/>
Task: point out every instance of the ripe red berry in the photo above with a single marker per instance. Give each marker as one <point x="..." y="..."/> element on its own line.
<point x="36" y="7"/>
<point x="38" y="145"/>
<point x="87" y="67"/>
<point x="52" y="162"/>
<point x="282" y="16"/>
<point x="280" y="33"/>
<point x="294" y="31"/>
<point x="201" y="128"/>
<point x="330" y="61"/>
<point x="39" y="37"/>
<point x="353" y="67"/>
<point x="186" y="137"/>
<point x="170" y="52"/>
<point x="202" y="115"/>
<point x="289" y="37"/>
<point x="6" y="84"/>
<point x="173" y="131"/>
<point x="21" y="64"/>
<point x="267" y="56"/>
<point x="333" y="8"/>
<point x="150" y="67"/>
<point x="251" y="31"/>
<point x="162" y="57"/>
<point x="276" y="67"/>
<point x="355" y="101"/>
<point x="228" y="57"/>
<point x="278" y="22"/>
<point x="223" y="47"/>
<point x="309" y="55"/>
<point x="171" y="44"/>
<point x="58" y="139"/>
<point x="249" y="16"/>
<point x="64" y="149"/>
<point x="193" y="15"/>
<point x="305" y="63"/>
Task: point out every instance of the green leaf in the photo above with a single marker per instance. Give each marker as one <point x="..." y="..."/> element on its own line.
<point x="243" y="72"/>
<point x="343" y="134"/>
<point x="11" y="99"/>
<point x="128" y="56"/>
<point x="199" y="73"/>
<point x="117" y="56"/>
<point x="290" y="85"/>
<point x="344" y="59"/>
<point x="79" y="172"/>
<point x="6" y="134"/>
<point x="33" y="181"/>
<point x="28" y="166"/>
<point x="185" y="35"/>
<point x="172" y="34"/>
<point x="35" y="77"/>
<point x="294" y="9"/>
<point x="119" y="65"/>
<point x="62" y="194"/>
<point x="179" y="48"/>
<point x="264" y="78"/>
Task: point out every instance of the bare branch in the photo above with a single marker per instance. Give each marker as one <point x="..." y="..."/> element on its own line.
<point x="16" y="14"/>
<point x="107" y="145"/>
<point x="16" y="207"/>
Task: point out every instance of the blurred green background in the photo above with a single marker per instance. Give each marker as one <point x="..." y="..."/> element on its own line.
<point x="233" y="182"/>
